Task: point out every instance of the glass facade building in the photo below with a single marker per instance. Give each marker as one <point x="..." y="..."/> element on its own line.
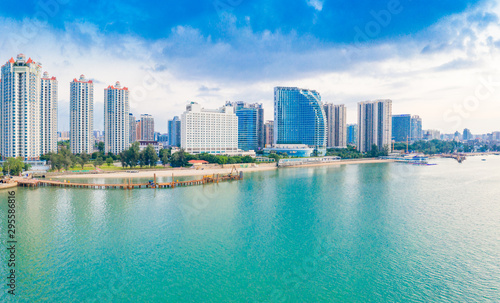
<point x="406" y="127"/>
<point x="174" y="131"/>
<point x="299" y="117"/>
<point x="401" y="128"/>
<point x="251" y="135"/>
<point x="352" y="134"/>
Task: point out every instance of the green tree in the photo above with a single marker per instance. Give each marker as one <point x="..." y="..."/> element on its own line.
<point x="109" y="161"/>
<point x="165" y="154"/>
<point x="222" y="160"/>
<point x="84" y="159"/>
<point x="247" y="159"/>
<point x="13" y="166"/>
<point x="179" y="159"/>
<point x="98" y="162"/>
<point x="149" y="156"/>
<point x="100" y="147"/>
<point x="274" y="156"/>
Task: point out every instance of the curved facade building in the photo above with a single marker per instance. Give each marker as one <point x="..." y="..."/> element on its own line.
<point x="299" y="117"/>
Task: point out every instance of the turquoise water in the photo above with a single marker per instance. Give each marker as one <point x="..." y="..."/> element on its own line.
<point x="353" y="233"/>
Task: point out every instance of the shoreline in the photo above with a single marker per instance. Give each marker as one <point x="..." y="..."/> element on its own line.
<point x="206" y="171"/>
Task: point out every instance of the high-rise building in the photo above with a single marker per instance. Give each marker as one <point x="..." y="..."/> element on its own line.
<point x="138" y="130"/>
<point x="401" y="128"/>
<point x="116" y="118"/>
<point x="336" y="135"/>
<point x="374" y="125"/>
<point x="416" y="128"/>
<point x="299" y="117"/>
<point x="467" y="135"/>
<point x="174" y="131"/>
<point x="81" y="121"/>
<point x="406" y="128"/>
<point x="23" y="109"/>
<point x="250" y="125"/>
<point x="269" y="132"/>
<point x="132" y="128"/>
<point x="352" y="134"/>
<point x="209" y="131"/>
<point x="48" y="114"/>
<point x="147" y="127"/>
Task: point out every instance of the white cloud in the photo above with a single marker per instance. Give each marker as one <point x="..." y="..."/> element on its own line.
<point x="317" y="4"/>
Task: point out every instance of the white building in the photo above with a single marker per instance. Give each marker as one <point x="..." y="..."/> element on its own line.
<point x="374" y="125"/>
<point x="156" y="145"/>
<point x="81" y="106"/>
<point x="21" y="119"/>
<point x="48" y="111"/>
<point x="336" y="133"/>
<point x="116" y="118"/>
<point x="209" y="131"/>
<point x="147" y="127"/>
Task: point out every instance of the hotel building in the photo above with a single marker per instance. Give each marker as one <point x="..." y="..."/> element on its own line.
<point x="81" y="121"/>
<point x="374" y="125"/>
<point x="336" y="135"/>
<point x="116" y="118"/>
<point x="209" y="131"/>
<point x="299" y="117"/>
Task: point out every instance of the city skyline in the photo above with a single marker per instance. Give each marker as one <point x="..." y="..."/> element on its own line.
<point x="434" y="65"/>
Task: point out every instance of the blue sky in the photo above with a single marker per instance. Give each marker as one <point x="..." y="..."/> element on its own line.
<point x="428" y="56"/>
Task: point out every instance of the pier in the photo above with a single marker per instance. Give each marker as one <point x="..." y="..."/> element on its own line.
<point x="130" y="185"/>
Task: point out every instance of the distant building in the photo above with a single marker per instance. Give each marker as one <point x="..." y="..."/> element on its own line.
<point x="116" y="118"/>
<point x="299" y="117"/>
<point x="98" y="136"/>
<point x="251" y="134"/>
<point x="336" y="135"/>
<point x="143" y="144"/>
<point x="174" y="131"/>
<point x="416" y="128"/>
<point x="132" y="133"/>
<point x="352" y="134"/>
<point x="147" y="127"/>
<point x="163" y="139"/>
<point x="374" y="125"/>
<point x="269" y="132"/>
<point x="209" y="131"/>
<point x="467" y="135"/>
<point x="81" y="116"/>
<point x="406" y="127"/>
<point x="63" y="136"/>
<point x="138" y="130"/>
<point x="401" y="128"/>
<point x="432" y="134"/>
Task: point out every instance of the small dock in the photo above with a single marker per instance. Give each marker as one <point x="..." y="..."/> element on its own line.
<point x="129" y="185"/>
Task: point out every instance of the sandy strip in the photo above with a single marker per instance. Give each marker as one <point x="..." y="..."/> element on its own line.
<point x="206" y="171"/>
<point x="162" y="173"/>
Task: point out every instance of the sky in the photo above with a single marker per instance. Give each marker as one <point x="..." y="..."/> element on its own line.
<point x="436" y="59"/>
